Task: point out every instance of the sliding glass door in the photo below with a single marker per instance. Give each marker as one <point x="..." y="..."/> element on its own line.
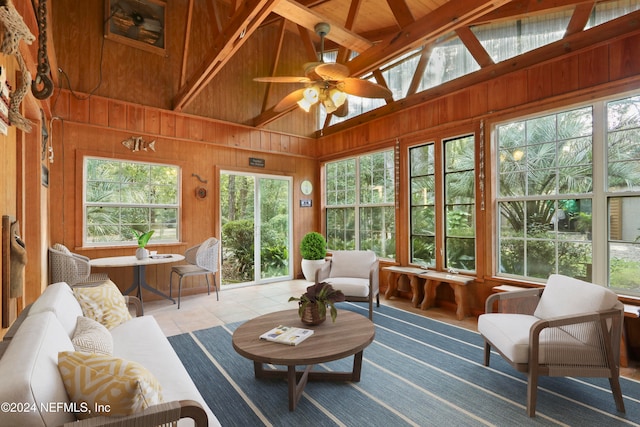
<point x="256" y="228"/>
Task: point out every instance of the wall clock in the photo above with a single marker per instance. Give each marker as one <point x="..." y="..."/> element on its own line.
<point x="306" y="187"/>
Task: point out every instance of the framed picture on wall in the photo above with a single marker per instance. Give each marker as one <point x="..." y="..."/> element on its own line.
<point x="137" y="23"/>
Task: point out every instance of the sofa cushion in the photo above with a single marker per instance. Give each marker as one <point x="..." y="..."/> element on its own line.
<point x="351" y="263"/>
<point x="350" y="286"/>
<point x="103" y="303"/>
<point x="107" y="385"/>
<point x="92" y="337"/>
<point x="29" y="373"/>
<point x="58" y="298"/>
<point x="141" y="340"/>
<point x="566" y="296"/>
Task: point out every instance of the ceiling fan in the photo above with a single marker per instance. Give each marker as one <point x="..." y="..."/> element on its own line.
<point x="326" y="83"/>
<point x="139" y="20"/>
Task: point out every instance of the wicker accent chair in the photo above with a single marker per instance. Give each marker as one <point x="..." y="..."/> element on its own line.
<point x="355" y="273"/>
<point x="74" y="269"/>
<point x="570" y="328"/>
<point x="203" y="260"/>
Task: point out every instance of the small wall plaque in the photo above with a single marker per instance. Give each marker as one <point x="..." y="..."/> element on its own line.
<point x="256" y="162"/>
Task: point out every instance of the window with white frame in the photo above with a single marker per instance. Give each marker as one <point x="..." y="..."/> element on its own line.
<point x="557" y="212"/>
<point x="360" y="203"/>
<point x="122" y="197"/>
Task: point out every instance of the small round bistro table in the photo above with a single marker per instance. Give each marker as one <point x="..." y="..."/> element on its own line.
<point x="349" y="335"/>
<point x="139" y="267"/>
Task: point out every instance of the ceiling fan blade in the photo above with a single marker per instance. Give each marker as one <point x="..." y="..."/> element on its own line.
<point x="289" y="100"/>
<point x="332" y="71"/>
<point x="364" y="88"/>
<point x="283" y="79"/>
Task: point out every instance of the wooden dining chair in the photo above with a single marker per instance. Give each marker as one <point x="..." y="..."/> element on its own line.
<point x="202" y="260"/>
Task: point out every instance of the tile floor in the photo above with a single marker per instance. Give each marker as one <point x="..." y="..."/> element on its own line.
<point x="242" y="303"/>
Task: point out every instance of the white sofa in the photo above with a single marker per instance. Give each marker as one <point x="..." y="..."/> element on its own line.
<point x="31" y="382"/>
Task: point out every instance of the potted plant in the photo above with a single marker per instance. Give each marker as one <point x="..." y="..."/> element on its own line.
<point x="312" y="305"/>
<point x="313" y="249"/>
<point x="143" y="239"/>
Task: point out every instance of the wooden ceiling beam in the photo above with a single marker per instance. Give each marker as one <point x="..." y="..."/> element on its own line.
<point x="446" y="18"/>
<point x="580" y="18"/>
<point x="474" y="46"/>
<point x="185" y="50"/>
<point x="274" y="66"/>
<point x="419" y="72"/>
<point x="242" y="24"/>
<point x="308" y="18"/>
<point x="343" y="52"/>
<point x="401" y="12"/>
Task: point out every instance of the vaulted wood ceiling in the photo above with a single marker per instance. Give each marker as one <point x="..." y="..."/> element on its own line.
<point x="378" y="30"/>
<point x="217" y="47"/>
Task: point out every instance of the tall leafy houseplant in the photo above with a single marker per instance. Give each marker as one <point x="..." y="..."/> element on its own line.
<point x="313" y="249"/>
<point x="143" y="239"/>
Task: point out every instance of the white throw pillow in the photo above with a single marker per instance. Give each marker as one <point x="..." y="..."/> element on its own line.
<point x="92" y="337"/>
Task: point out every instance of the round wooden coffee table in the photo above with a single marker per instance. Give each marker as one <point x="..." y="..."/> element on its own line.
<point x="349" y="335"/>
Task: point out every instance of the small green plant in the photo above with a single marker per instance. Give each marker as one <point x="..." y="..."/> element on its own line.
<point x="313" y="246"/>
<point x="143" y="238"/>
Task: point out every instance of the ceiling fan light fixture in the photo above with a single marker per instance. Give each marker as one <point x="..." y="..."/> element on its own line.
<point x="310" y="97"/>
<point x="338" y="97"/>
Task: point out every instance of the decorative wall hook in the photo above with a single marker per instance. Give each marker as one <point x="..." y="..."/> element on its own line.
<point x="204" y="181"/>
<point x="136" y="143"/>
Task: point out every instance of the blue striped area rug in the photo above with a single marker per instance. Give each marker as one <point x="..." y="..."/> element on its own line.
<point x="417" y="372"/>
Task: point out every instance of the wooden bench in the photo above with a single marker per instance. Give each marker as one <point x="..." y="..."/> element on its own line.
<point x="457" y="282"/>
<point x="398" y="277"/>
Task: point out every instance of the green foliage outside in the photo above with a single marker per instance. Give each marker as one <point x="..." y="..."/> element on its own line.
<point x="238" y="239"/>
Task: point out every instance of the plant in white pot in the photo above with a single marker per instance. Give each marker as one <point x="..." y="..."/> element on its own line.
<point x="313" y="249"/>
<point x="143" y="239"/>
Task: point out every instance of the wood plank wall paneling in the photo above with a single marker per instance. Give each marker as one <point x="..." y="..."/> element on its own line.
<point x="198" y="145"/>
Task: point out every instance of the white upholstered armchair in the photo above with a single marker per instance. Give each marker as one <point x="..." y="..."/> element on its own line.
<point x="355" y="273"/>
<point x="571" y="328"/>
<point x="65" y="266"/>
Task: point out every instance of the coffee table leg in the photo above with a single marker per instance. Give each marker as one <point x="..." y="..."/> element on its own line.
<point x="357" y="367"/>
<point x="296" y="388"/>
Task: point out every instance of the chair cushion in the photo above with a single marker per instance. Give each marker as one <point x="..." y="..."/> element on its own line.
<point x="350" y="286"/>
<point x="510" y="334"/>
<point x="351" y="263"/>
<point x="566" y="296"/>
<point x="58" y="298"/>
<point x="107" y="385"/>
<point x="92" y="337"/>
<point x="103" y="303"/>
